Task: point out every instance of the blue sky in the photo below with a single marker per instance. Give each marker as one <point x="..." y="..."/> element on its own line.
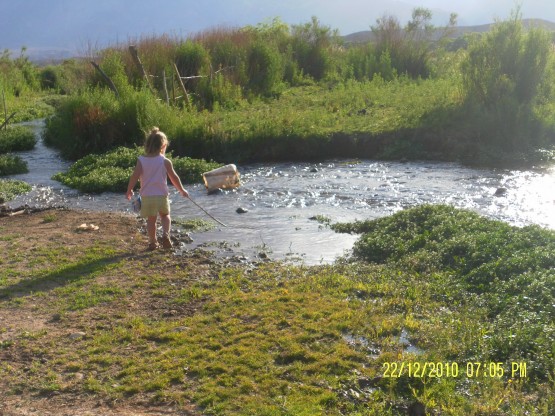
<point x="80" y="24"/>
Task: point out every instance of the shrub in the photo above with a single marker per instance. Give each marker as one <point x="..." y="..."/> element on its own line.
<point x="95" y="121"/>
<point x="17" y="75"/>
<point x="12" y="165"/>
<point x="17" y="138"/>
<point x="49" y="78"/>
<point x="192" y="59"/>
<point x="365" y="63"/>
<point x="503" y="75"/>
<point x="506" y="62"/>
<point x="264" y="68"/>
<point x="410" y="48"/>
<point x="9" y="189"/>
<point x="312" y="44"/>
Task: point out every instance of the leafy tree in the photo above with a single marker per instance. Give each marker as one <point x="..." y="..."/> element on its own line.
<point x="411" y="47"/>
<point x="264" y="68"/>
<point x="312" y="43"/>
<point x="506" y="62"/>
<point x="17" y="75"/>
<point x="503" y="73"/>
<point x="49" y="78"/>
<point x="192" y="59"/>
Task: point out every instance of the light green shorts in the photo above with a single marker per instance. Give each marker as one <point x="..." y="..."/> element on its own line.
<point x="154" y="205"/>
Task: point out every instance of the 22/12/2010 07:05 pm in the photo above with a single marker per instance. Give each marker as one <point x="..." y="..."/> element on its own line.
<point x="417" y="369"/>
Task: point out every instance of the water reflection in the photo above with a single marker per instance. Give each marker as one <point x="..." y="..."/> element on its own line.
<point x="281" y="199"/>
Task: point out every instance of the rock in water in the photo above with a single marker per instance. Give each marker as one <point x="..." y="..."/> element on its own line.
<point x="500" y="191"/>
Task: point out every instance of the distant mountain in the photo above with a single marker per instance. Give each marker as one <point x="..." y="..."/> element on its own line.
<point x="457" y="32"/>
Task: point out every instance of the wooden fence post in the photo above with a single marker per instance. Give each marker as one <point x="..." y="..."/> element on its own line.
<point x="5" y="108"/>
<point x="185" y="95"/>
<point x="139" y="64"/>
<point x="173" y="90"/>
<point x="165" y="87"/>
<point x="106" y="78"/>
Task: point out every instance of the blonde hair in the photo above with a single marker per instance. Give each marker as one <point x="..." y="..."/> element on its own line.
<point x="155" y="141"/>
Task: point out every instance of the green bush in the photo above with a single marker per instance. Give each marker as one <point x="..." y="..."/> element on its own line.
<point x="503" y="74"/>
<point x="410" y="48"/>
<point x="17" y="138"/>
<point x="478" y="250"/>
<point x="192" y="59"/>
<point x="311" y="45"/>
<point x="49" y="78"/>
<point x="191" y="170"/>
<point x="506" y="62"/>
<point x="101" y="173"/>
<point x="96" y="121"/>
<point x="264" y="68"/>
<point x="17" y="75"/>
<point x="9" y="189"/>
<point x="111" y="171"/>
<point x="12" y="165"/>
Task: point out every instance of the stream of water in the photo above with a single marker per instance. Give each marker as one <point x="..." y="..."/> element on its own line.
<point x="283" y="198"/>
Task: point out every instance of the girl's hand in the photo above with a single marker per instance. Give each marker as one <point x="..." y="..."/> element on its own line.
<point x="129" y="195"/>
<point x="185" y="193"/>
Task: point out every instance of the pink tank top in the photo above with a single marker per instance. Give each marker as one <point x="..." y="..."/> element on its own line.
<point x="154" y="178"/>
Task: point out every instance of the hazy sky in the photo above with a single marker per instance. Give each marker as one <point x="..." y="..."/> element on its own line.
<point x="76" y="24"/>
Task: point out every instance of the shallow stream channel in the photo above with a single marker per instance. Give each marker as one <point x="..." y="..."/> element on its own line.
<point x="288" y="204"/>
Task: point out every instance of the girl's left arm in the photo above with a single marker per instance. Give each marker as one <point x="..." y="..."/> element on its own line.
<point x="133" y="180"/>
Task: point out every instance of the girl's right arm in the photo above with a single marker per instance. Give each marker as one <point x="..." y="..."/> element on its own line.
<point x="133" y="180"/>
<point x="174" y="178"/>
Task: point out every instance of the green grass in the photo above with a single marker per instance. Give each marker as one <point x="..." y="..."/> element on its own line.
<point x="31" y="105"/>
<point x="9" y="189"/>
<point x="355" y="119"/>
<point x="275" y="339"/>
<point x="348" y="119"/>
<point x="402" y="118"/>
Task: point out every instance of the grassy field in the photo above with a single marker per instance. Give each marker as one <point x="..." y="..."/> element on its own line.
<point x="93" y="318"/>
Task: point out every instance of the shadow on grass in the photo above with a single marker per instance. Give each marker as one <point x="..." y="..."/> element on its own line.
<point x="62" y="276"/>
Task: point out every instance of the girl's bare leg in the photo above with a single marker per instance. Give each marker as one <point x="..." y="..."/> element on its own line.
<point x="166" y="224"/>
<point x="151" y="229"/>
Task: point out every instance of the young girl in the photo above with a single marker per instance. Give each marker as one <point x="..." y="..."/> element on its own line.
<point x="153" y="170"/>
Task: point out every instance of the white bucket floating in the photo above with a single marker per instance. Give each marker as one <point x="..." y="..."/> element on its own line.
<point x="225" y="177"/>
